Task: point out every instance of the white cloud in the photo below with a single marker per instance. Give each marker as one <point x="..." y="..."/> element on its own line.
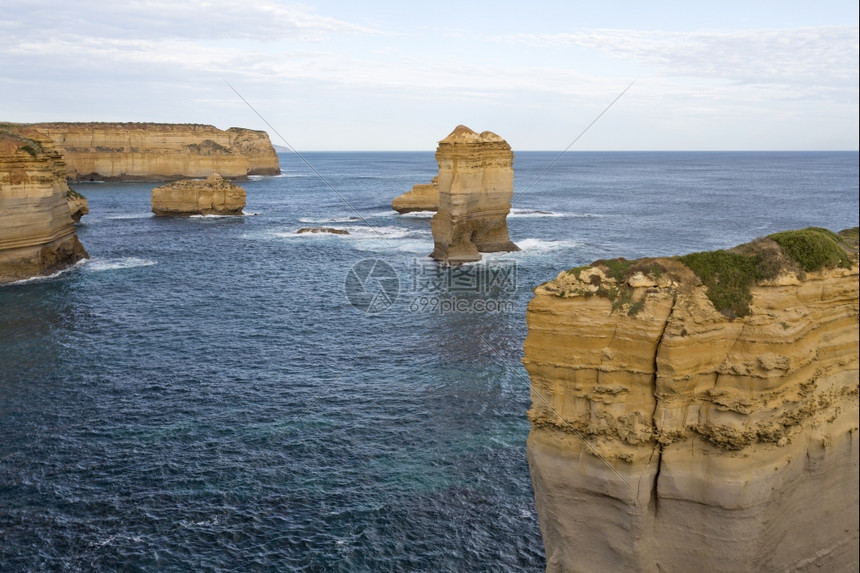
<point x="204" y="20"/>
<point x="821" y="56"/>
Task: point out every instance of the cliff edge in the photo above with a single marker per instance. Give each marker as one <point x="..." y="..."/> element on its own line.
<point x="699" y="412"/>
<point x="37" y="235"/>
<point x="158" y="151"/>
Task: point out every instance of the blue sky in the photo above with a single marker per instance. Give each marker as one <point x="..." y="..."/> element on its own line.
<point x="334" y="75"/>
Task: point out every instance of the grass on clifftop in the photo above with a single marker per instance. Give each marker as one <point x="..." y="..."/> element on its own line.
<point x="729" y="275"/>
<point x="813" y="248"/>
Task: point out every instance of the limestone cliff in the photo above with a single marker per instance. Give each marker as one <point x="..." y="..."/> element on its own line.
<point x="159" y="151"/>
<point x="699" y="413"/>
<point x="422" y="197"/>
<point x="214" y="196"/>
<point x="37" y="236"/>
<point x="476" y="183"/>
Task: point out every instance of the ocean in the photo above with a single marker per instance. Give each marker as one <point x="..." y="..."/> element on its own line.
<point x="221" y="393"/>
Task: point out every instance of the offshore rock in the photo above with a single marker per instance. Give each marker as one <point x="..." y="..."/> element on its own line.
<point x="476" y="183"/>
<point x="422" y="197"/>
<point x="330" y="230"/>
<point x="214" y="196"/>
<point x="37" y="235"/>
<point x="667" y="436"/>
<point x="158" y="151"/>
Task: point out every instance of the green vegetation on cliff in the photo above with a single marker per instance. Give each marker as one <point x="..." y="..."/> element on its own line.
<point x="730" y="274"/>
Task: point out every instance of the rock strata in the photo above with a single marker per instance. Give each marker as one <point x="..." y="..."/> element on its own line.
<point x="476" y="183"/>
<point x="158" y="151"/>
<point x="37" y="235"/>
<point x="681" y="425"/>
<point x="214" y="196"/>
<point x="422" y="197"/>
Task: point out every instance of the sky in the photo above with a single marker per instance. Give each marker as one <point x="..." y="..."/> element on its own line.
<point x="397" y="75"/>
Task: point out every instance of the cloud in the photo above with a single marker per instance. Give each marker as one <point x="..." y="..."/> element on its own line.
<point x="823" y="56"/>
<point x="205" y="20"/>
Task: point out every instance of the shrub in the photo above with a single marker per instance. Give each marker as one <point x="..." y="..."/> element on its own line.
<point x="813" y="248"/>
<point x="728" y="277"/>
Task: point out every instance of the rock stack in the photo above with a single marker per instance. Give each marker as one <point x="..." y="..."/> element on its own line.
<point x="476" y="183"/>
<point x="214" y="196"/>
<point x="422" y="197"/>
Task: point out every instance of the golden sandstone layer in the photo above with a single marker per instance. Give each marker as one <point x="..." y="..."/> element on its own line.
<point x="667" y="436"/>
<point x="422" y="197"/>
<point x="476" y="183"/>
<point x="214" y="196"/>
<point x="159" y="151"/>
<point x="37" y="235"/>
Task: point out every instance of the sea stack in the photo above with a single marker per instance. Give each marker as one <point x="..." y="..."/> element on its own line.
<point x="37" y="235"/>
<point x="158" y="151"/>
<point x="214" y="196"/>
<point x="476" y="183"/>
<point x="422" y="197"/>
<point x="699" y="413"/>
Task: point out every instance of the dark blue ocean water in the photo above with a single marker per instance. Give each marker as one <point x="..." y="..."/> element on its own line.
<point x="201" y="395"/>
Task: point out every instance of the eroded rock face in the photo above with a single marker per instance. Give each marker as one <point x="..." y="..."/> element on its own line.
<point x="422" y="197"/>
<point x="37" y="236"/>
<point x="667" y="437"/>
<point x="159" y="151"/>
<point x="214" y="196"/>
<point x="476" y="183"/>
<point x="78" y="205"/>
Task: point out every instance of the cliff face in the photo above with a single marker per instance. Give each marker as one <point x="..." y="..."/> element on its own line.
<point x="476" y="183"/>
<point x="422" y="197"/>
<point x="214" y="196"/>
<point x="668" y="437"/>
<point x="37" y="236"/>
<point x="159" y="151"/>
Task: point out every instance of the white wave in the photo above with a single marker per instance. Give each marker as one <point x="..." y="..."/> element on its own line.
<point x="417" y="214"/>
<point x="115" y="264"/>
<point x="214" y="216"/>
<point x="544" y="245"/>
<point x="535" y="213"/>
<point x="131" y="216"/>
<point x="47" y="277"/>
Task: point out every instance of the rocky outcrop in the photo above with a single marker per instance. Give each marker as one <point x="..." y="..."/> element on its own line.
<point x="78" y="205"/>
<point x="422" y="197"/>
<point x="701" y="412"/>
<point x="214" y="196"/>
<point x="330" y="230"/>
<point x="158" y="151"/>
<point x="476" y="183"/>
<point x="37" y="236"/>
